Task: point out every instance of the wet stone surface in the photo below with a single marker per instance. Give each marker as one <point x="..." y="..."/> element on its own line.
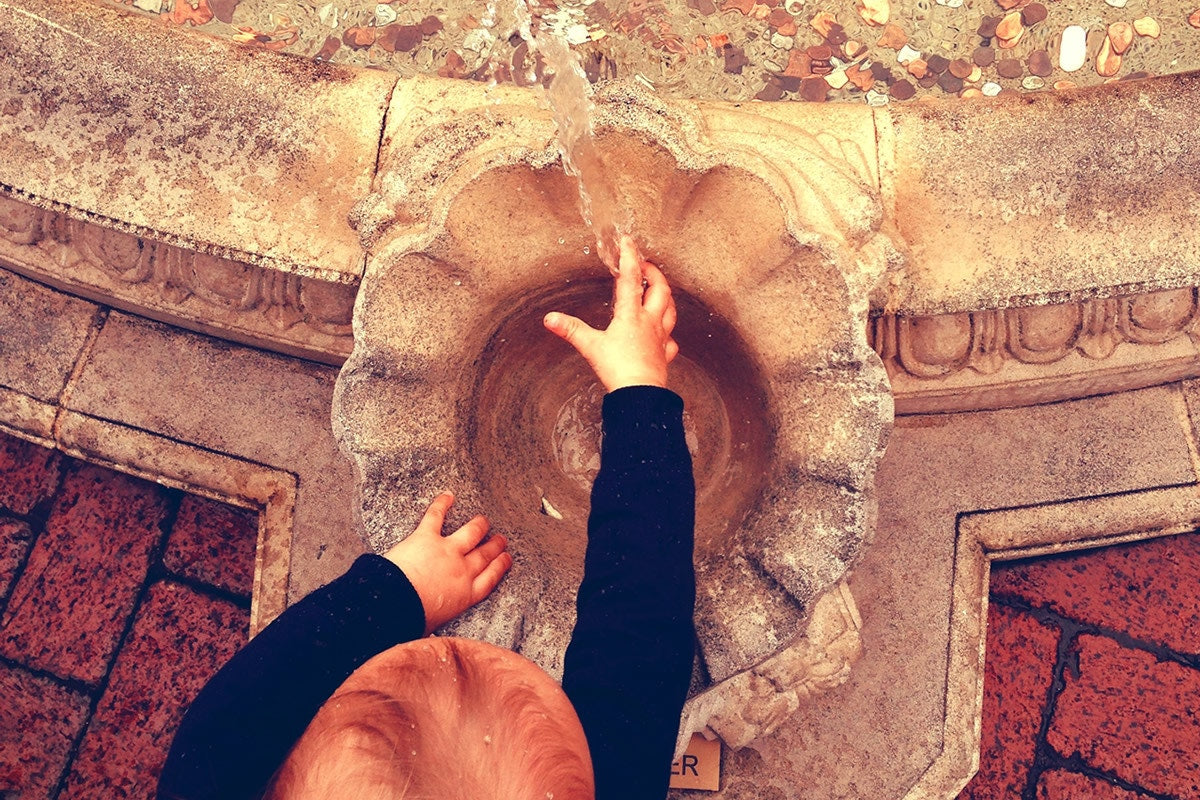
<point x="724" y="49"/>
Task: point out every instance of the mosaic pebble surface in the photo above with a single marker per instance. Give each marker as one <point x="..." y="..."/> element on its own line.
<point x="736" y="50"/>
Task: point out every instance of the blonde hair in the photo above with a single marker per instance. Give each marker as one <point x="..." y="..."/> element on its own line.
<point x="441" y="719"/>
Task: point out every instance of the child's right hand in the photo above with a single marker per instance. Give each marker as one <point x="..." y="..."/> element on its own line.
<point x="450" y="573"/>
<point x="637" y="346"/>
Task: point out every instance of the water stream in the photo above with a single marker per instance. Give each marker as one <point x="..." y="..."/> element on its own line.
<point x="570" y="95"/>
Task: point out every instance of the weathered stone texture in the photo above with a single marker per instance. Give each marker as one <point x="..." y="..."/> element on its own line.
<point x="265" y="156"/>
<point x="790" y="403"/>
<point x="261" y="407"/>
<point x="42" y="333"/>
<point x="1049" y="206"/>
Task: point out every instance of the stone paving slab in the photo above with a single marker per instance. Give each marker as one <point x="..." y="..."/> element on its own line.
<point x="180" y="638"/>
<point x="29" y="474"/>
<point x="1147" y="589"/>
<point x="42" y="333"/>
<point x="39" y="720"/>
<point x="1018" y="674"/>
<point x="213" y="543"/>
<point x="68" y="609"/>
<point x="15" y="538"/>
<point x="1059" y="784"/>
<point x="258" y="406"/>
<point x="173" y="634"/>
<point x="1129" y="713"/>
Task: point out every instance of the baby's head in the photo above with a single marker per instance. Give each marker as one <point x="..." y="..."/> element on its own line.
<point x="442" y="719"/>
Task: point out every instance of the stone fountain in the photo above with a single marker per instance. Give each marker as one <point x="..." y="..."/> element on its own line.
<point x="832" y="263"/>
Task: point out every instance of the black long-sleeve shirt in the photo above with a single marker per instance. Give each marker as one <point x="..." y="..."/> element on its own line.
<point x="627" y="667"/>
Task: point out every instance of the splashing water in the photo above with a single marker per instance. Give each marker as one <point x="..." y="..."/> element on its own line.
<point x="570" y="96"/>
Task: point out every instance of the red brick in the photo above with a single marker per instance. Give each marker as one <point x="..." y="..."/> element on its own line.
<point x="1059" y="785"/>
<point x="39" y="721"/>
<point x="1130" y="715"/>
<point x="28" y="473"/>
<point x="180" y="638"/>
<point x="82" y="579"/>
<point x="14" y="544"/>
<point x="214" y="543"/>
<point x="1017" y="673"/>
<point x="1147" y="589"/>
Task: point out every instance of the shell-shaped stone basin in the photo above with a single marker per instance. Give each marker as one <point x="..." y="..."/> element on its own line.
<point x="454" y="384"/>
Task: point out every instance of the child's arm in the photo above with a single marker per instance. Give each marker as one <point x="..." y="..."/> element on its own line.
<point x="629" y="663"/>
<point x="240" y="728"/>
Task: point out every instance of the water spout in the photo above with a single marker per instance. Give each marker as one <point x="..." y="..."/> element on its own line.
<point x="570" y="96"/>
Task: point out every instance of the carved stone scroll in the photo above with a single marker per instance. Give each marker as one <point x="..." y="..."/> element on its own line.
<point x="1020" y="356"/>
<point x="281" y="311"/>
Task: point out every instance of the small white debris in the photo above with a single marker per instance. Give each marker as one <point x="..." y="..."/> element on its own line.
<point x="549" y="510"/>
<point x="328" y="15"/>
<point x="876" y="99"/>
<point x="907" y="54"/>
<point x="782" y="42"/>
<point x="384" y="15"/>
<point x="837" y="79"/>
<point x="478" y="40"/>
<point x="991" y="89"/>
<point x="578" y="34"/>
<point x="153" y="6"/>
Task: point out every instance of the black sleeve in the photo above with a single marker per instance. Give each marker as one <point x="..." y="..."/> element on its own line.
<point x="241" y="726"/>
<point x="629" y="663"/>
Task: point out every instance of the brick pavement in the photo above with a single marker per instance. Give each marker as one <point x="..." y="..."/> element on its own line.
<point x="1092" y="677"/>
<point x="118" y="600"/>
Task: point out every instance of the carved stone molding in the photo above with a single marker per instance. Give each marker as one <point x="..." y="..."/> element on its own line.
<point x="756" y="702"/>
<point x="277" y="310"/>
<point x="1020" y="356"/>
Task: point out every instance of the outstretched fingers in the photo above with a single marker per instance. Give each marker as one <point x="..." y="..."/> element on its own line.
<point x="478" y="559"/>
<point x="657" y="299"/>
<point x="572" y="330"/>
<point x="470" y="535"/>
<point x="488" y="579"/>
<point x="627" y="292"/>
<point x="435" y="515"/>
<point x="670" y="315"/>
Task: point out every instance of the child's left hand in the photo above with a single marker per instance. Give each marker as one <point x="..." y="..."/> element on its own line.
<point x="450" y="573"/>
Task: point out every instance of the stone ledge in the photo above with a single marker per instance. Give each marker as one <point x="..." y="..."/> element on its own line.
<point x="280" y="311"/>
<point x="1000" y="358"/>
<point x="246" y="154"/>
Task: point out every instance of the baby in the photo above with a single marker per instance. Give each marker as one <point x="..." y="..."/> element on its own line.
<point x="342" y="696"/>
